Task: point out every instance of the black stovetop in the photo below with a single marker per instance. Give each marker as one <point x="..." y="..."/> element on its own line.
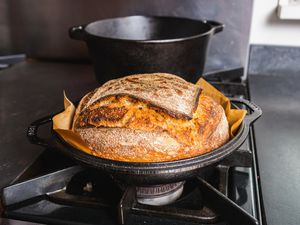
<point x="51" y="190"/>
<point x="33" y="89"/>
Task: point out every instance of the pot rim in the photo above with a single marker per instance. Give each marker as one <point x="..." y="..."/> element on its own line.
<point x="212" y="28"/>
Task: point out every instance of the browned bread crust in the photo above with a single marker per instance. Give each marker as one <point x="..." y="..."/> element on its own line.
<point x="131" y="125"/>
<point x="169" y="92"/>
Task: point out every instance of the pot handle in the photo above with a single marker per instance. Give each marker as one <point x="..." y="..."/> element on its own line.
<point x="77" y="32"/>
<point x="216" y="26"/>
<point x="256" y="110"/>
<point x="32" y="131"/>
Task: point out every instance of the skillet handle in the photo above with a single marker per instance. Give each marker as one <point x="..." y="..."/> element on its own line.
<point x="32" y="131"/>
<point x="256" y="110"/>
<point x="216" y="26"/>
<point x="78" y="33"/>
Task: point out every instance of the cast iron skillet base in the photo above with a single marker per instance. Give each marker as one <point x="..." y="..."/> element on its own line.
<point x="149" y="173"/>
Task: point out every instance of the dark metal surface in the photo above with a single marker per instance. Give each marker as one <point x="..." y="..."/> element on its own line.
<point x="27" y="91"/>
<point x="190" y="207"/>
<point x="150" y="173"/>
<point x="39" y="186"/>
<point x="53" y="197"/>
<point x="277" y="142"/>
<point x="144" y="44"/>
<point x="146" y="29"/>
<point x="225" y="207"/>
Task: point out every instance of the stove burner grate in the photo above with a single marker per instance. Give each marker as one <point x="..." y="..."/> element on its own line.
<point x="204" y="200"/>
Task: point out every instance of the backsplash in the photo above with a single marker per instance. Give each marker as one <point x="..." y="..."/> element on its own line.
<point x="274" y="60"/>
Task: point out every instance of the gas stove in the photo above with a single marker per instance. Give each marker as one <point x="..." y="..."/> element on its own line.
<point x="55" y="190"/>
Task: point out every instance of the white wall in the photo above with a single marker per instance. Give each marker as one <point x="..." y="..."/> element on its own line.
<point x="268" y="29"/>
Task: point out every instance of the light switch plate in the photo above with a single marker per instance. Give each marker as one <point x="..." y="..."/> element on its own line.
<point x="288" y="9"/>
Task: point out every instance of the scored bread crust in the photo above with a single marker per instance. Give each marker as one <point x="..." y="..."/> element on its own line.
<point x="127" y="127"/>
<point x="171" y="93"/>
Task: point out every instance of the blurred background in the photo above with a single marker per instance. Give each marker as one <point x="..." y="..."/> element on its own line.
<point x="40" y="29"/>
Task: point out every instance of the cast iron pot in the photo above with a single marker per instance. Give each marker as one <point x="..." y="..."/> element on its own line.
<point x="149" y="173"/>
<point x="147" y="44"/>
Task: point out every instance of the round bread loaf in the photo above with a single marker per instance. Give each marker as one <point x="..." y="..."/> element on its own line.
<point x="150" y="118"/>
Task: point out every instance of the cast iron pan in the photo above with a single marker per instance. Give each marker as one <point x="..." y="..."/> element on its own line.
<point x="149" y="173"/>
<point x="147" y="44"/>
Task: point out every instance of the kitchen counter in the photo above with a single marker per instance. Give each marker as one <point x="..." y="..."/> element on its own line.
<point x="277" y="135"/>
<point x="28" y="91"/>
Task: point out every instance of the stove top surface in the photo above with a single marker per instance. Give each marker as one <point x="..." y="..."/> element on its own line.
<point x="54" y="190"/>
<point x="75" y="195"/>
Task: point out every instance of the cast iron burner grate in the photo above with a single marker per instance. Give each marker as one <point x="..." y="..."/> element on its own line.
<point x="203" y="201"/>
<point x="56" y="197"/>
